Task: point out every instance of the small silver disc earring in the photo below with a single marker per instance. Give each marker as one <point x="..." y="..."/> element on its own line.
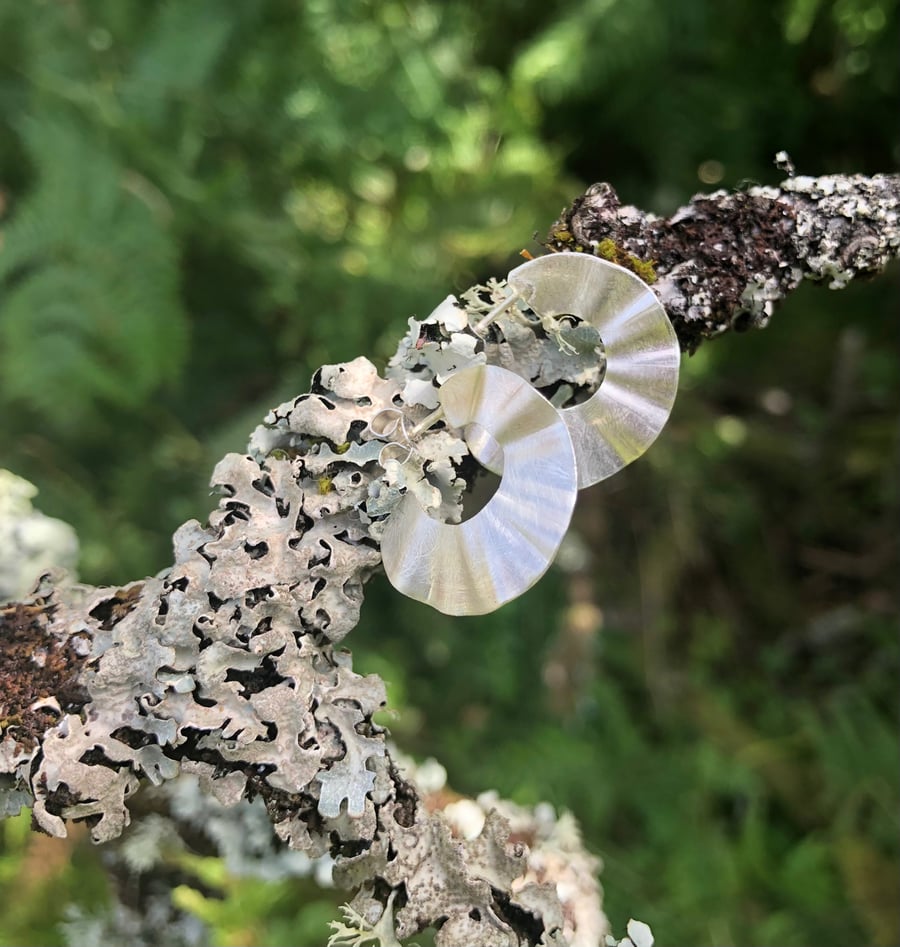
<point x="474" y="567"/>
<point x="631" y="406"/>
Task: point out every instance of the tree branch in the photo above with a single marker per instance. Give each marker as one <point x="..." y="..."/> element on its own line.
<point x="726" y="259"/>
<point x="227" y="665"/>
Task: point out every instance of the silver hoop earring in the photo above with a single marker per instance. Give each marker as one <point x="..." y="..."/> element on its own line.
<point x="631" y="406"/>
<point x="474" y="567"/>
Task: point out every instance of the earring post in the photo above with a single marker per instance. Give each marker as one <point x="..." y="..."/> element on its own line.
<point x="426" y="423"/>
<point x="501" y="307"/>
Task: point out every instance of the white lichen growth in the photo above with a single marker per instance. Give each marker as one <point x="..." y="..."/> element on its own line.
<point x="453" y="861"/>
<point x="248" y="676"/>
<point x="846" y="224"/>
<point x="356" y="930"/>
<point x="30" y="542"/>
<point x="639" y="935"/>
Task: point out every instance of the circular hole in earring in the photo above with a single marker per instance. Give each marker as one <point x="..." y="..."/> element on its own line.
<point x="564" y="394"/>
<point x="487" y="459"/>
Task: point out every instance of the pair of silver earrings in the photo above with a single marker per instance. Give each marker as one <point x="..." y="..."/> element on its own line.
<point x="544" y="454"/>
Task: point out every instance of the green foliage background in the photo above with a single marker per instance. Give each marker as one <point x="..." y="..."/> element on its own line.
<point x="203" y="201"/>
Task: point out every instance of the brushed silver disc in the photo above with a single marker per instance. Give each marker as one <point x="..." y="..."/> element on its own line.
<point x="474" y="567"/>
<point x="631" y="406"/>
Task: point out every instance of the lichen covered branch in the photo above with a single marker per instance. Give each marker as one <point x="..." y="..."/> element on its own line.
<point x="229" y="664"/>
<point x="726" y="259"/>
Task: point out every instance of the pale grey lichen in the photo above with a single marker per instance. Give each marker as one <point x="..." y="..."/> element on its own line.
<point x="357" y="930"/>
<point x="451" y="864"/>
<point x="30" y="542"/>
<point x="451" y="881"/>
<point x="101" y="790"/>
<point x="545" y="350"/>
<point x="432" y="349"/>
<point x="639" y="935"/>
<point x="14" y="761"/>
<point x="247" y="676"/>
<point x="845" y="224"/>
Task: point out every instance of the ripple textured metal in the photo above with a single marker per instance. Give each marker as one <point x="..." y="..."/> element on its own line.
<point x="631" y="406"/>
<point x="474" y="567"/>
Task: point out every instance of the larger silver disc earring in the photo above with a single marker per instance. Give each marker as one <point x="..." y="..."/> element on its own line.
<point x="631" y="406"/>
<point x="474" y="567"/>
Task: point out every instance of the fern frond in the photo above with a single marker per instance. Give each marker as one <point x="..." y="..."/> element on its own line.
<point x="89" y="306"/>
